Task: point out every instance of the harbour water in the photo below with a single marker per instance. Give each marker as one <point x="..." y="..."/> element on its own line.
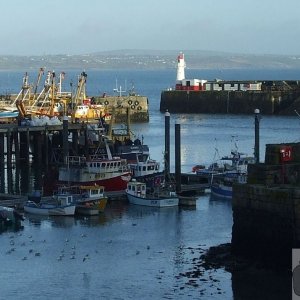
<point x="132" y="252"/>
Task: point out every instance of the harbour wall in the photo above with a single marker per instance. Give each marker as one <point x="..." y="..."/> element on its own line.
<point x="231" y="102"/>
<point x="266" y="210"/>
<point x="266" y="223"/>
<point x="138" y="107"/>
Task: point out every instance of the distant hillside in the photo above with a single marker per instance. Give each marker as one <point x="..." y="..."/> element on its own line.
<point x="149" y="59"/>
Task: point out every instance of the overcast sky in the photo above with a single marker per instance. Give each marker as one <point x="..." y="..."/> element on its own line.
<point x="40" y="27"/>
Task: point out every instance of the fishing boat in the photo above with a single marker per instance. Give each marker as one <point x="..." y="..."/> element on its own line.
<point x="137" y="154"/>
<point x="222" y="184"/>
<point x="112" y="173"/>
<point x="217" y="167"/>
<point x="236" y="162"/>
<point x="234" y="170"/>
<point x="61" y="204"/>
<point x="128" y="149"/>
<point x="142" y="167"/>
<point x="147" y="170"/>
<point x="137" y="194"/>
<point x="92" y="200"/>
<point x="8" y="116"/>
<point x="89" y="112"/>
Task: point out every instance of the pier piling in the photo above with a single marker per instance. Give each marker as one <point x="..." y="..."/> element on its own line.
<point x="9" y="150"/>
<point x="65" y="138"/>
<point x="177" y="158"/>
<point x="167" y="144"/>
<point x="256" y="145"/>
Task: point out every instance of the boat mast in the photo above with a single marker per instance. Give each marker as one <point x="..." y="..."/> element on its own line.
<point x="51" y="112"/>
<point x="120" y="88"/>
<point x="61" y="78"/>
<point x="41" y="72"/>
<point x="80" y="92"/>
<point x="24" y="91"/>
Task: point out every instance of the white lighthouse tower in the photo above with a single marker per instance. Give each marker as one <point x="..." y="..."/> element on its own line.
<point x="180" y="67"/>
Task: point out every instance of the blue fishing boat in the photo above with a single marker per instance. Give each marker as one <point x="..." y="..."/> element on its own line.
<point x="222" y="184"/>
<point x="8" y="116"/>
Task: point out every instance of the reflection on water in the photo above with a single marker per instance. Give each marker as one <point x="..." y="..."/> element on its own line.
<point x="127" y="252"/>
<point x="133" y="252"/>
<point x="11" y="227"/>
<point x="215" y="200"/>
<point x="55" y="221"/>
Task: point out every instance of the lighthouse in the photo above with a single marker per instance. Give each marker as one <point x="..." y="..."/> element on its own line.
<point x="180" y="67"/>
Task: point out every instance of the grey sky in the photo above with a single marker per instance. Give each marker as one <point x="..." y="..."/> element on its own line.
<point x="76" y="27"/>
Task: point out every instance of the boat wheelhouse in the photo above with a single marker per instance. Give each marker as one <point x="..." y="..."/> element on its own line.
<point x="112" y="173"/>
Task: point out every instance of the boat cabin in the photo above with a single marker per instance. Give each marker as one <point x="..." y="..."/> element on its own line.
<point x="143" y="168"/>
<point x="98" y="164"/>
<point x="136" y="188"/>
<point x="92" y="191"/>
<point x="64" y="199"/>
<point x="103" y="166"/>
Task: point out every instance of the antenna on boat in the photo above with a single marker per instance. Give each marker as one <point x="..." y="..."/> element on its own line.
<point x="107" y="149"/>
<point x="120" y="88"/>
<point x="234" y="142"/>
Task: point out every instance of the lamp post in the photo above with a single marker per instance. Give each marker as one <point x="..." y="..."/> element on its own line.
<point x="256" y="143"/>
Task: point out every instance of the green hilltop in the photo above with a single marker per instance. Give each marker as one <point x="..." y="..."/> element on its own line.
<point x="149" y="59"/>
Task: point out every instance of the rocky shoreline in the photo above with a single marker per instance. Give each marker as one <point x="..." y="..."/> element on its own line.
<point x="250" y="279"/>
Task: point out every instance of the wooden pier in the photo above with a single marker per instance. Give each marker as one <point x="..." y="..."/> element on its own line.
<point x="12" y="200"/>
<point x="51" y="144"/>
<point x="21" y="144"/>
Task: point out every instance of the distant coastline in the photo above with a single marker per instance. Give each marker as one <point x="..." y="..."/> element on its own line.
<point x="143" y="59"/>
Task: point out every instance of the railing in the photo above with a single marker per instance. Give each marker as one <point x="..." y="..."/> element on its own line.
<point x="76" y="160"/>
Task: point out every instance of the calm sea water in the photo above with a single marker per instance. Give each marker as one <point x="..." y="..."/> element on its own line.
<point x="137" y="252"/>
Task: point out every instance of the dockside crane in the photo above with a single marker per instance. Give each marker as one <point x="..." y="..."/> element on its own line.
<point x="80" y="94"/>
<point x="40" y="74"/>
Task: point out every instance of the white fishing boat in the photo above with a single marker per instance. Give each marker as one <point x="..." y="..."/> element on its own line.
<point x="137" y="194"/>
<point x="58" y="205"/>
<point x="137" y="154"/>
<point x="147" y="170"/>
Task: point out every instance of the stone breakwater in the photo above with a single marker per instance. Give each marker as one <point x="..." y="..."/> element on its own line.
<point x="231" y="102"/>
